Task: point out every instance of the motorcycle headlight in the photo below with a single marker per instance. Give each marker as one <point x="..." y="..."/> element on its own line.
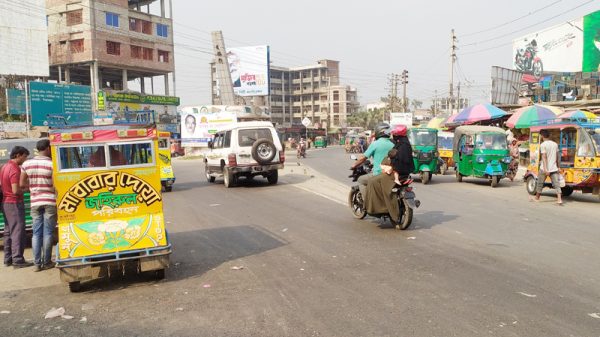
<point x="480" y="160"/>
<point x="507" y="160"/>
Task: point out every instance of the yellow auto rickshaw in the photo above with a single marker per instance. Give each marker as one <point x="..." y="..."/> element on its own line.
<point x="579" y="151"/>
<point x="445" y="141"/>
<point x="167" y="176"/>
<point x="109" y="203"/>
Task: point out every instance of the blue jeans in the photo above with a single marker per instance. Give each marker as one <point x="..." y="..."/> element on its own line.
<point x="44" y="222"/>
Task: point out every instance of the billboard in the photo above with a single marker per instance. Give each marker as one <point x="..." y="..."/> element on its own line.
<point x="591" y="42"/>
<point x="60" y="105"/>
<point x="24" y="38"/>
<point x="115" y="106"/>
<point x="506" y="84"/>
<point x="249" y="68"/>
<point x="198" y="128"/>
<point x="401" y="118"/>
<point x="15" y="100"/>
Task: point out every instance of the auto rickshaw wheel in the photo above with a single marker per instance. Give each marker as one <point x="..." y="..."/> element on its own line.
<point x="566" y="191"/>
<point x="425" y="177"/>
<point x="530" y="185"/>
<point x="443" y="168"/>
<point x="168" y="188"/>
<point x="75" y="287"/>
<point x="458" y="176"/>
<point x="159" y="274"/>
<point x="495" y="181"/>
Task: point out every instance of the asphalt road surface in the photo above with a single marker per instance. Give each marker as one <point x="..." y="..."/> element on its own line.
<point x="289" y="260"/>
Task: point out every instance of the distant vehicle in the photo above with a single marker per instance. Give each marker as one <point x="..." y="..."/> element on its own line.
<point x="245" y="149"/>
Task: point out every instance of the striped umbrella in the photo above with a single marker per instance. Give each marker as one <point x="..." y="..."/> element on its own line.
<point x="524" y="117"/>
<point x="477" y="113"/>
<point x="581" y="115"/>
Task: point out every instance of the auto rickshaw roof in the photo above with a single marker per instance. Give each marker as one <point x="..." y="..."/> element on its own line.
<point x="560" y="123"/>
<point x="102" y="133"/>
<point x="474" y="130"/>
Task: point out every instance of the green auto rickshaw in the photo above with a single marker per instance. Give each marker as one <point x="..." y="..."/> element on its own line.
<point x="424" y="143"/>
<point x="320" y="141"/>
<point x="482" y="152"/>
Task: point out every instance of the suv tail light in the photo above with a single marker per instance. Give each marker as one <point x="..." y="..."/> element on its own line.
<point x="231" y="160"/>
<point x="282" y="156"/>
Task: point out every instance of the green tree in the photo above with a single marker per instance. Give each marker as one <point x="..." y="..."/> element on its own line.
<point x="366" y="119"/>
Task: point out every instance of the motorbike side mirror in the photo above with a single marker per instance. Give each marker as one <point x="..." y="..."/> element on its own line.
<point x="353" y="157"/>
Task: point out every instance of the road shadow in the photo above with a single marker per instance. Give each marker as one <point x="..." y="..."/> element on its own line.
<point x="185" y="186"/>
<point x="195" y="253"/>
<point x="486" y="182"/>
<point x="431" y="218"/>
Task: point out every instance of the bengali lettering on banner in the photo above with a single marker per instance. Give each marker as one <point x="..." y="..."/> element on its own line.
<point x="249" y="67"/>
<point x="60" y="105"/>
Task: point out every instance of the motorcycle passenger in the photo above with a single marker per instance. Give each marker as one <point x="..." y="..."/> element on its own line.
<point x="402" y="162"/>
<point x="378" y="150"/>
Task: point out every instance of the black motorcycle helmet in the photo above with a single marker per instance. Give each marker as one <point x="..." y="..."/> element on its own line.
<point x="533" y="43"/>
<point x="382" y="130"/>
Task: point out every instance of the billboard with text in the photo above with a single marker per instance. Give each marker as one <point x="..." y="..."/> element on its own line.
<point x="249" y="68"/>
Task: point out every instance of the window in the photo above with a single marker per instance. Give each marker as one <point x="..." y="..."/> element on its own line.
<point x="227" y="141"/>
<point x="76" y="46"/>
<point x="247" y="137"/>
<point x="113" y="48"/>
<point x="147" y="27"/>
<point x="112" y="19"/>
<point x="131" y="154"/>
<point x="74" y="17"/>
<point x="336" y="95"/>
<point x="163" y="143"/>
<point x="163" y="56"/>
<point x="148" y="53"/>
<point x="218" y="141"/>
<point x="135" y="25"/>
<point x="162" y="30"/>
<point x="136" y="52"/>
<point x="491" y="141"/>
<point x="585" y="148"/>
<point x="78" y="157"/>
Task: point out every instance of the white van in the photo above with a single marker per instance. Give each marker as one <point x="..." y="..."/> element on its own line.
<point x="245" y="149"/>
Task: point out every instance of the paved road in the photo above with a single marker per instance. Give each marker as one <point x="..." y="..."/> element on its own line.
<point x="478" y="261"/>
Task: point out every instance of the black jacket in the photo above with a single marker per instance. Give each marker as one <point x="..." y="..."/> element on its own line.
<point x="403" y="162"/>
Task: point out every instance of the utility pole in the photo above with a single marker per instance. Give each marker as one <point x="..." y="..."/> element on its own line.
<point x="393" y="96"/>
<point x="452" y="60"/>
<point x="404" y="83"/>
<point x="435" y="104"/>
<point x="458" y="105"/>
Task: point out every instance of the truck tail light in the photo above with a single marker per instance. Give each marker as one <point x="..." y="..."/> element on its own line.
<point x="231" y="160"/>
<point x="282" y="156"/>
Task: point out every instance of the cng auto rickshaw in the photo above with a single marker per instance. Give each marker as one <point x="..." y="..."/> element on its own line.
<point x="445" y="140"/>
<point x="424" y="142"/>
<point x="482" y="152"/>
<point x="167" y="176"/>
<point x="579" y="152"/>
<point x="109" y="203"/>
<point x="320" y="141"/>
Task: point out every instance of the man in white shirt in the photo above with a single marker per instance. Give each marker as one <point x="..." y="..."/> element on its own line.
<point x="548" y="166"/>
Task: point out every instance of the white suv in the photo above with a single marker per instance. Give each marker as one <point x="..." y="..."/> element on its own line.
<point x="245" y="149"/>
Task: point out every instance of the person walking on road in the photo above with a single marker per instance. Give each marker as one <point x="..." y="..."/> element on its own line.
<point x="548" y="166"/>
<point x="37" y="176"/>
<point x="14" y="209"/>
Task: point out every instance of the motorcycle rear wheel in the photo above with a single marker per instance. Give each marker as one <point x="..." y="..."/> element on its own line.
<point x="355" y="201"/>
<point x="406" y="216"/>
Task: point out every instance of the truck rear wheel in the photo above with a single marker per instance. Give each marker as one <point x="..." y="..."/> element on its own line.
<point x="75" y="287"/>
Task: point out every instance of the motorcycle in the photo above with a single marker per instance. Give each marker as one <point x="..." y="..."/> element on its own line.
<point x="404" y="194"/>
<point x="301" y="152"/>
<point x="527" y="61"/>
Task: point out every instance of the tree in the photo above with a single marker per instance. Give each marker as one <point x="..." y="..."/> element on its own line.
<point x="366" y="119"/>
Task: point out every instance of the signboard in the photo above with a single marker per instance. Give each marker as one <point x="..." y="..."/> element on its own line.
<point x="117" y="105"/>
<point x="249" y="68"/>
<point x="13" y="127"/>
<point x="101" y="100"/>
<point x="306" y="121"/>
<point x="401" y="118"/>
<point x="24" y="38"/>
<point x="141" y="99"/>
<point x="198" y="128"/>
<point x="60" y="105"/>
<point x="15" y="101"/>
<point x="505" y="85"/>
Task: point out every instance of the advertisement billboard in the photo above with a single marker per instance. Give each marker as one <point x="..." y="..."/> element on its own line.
<point x="198" y="128"/>
<point x="24" y="38"/>
<point x="506" y="84"/>
<point x="60" y="105"/>
<point x="591" y="42"/>
<point x="15" y="99"/>
<point x="249" y="67"/>
<point x="401" y="118"/>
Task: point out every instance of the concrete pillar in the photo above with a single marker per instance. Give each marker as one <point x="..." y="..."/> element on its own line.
<point x="143" y="85"/>
<point x="93" y="79"/>
<point x="67" y="75"/>
<point x="166" y="76"/>
<point x="59" y="74"/>
<point x="162" y="8"/>
<point x="100" y="82"/>
<point x="152" y="85"/>
<point x="124" y="80"/>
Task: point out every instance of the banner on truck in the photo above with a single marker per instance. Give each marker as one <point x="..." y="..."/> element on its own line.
<point x="249" y="68"/>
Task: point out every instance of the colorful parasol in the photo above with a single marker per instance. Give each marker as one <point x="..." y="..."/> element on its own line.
<point x="524" y="117"/>
<point x="580" y="115"/>
<point x="436" y="123"/>
<point x="477" y="113"/>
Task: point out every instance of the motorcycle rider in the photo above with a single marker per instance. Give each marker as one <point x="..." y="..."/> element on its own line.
<point x="402" y="163"/>
<point x="378" y="150"/>
<point x="301" y="147"/>
<point x="530" y="52"/>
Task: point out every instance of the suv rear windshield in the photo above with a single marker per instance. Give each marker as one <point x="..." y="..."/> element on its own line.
<point x="247" y="137"/>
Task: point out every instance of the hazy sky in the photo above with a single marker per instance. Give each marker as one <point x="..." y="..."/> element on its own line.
<point x="370" y="39"/>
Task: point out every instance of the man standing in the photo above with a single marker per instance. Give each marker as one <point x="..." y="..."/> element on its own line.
<point x="548" y="166"/>
<point x="37" y="175"/>
<point x="14" y="209"/>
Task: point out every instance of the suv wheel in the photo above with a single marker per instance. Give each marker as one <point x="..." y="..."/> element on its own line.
<point x="273" y="177"/>
<point x="263" y="151"/>
<point x="209" y="178"/>
<point x="228" y="178"/>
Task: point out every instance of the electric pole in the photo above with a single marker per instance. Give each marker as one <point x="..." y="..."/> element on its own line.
<point x="458" y="105"/>
<point x="404" y="83"/>
<point x="452" y="60"/>
<point x="393" y="95"/>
